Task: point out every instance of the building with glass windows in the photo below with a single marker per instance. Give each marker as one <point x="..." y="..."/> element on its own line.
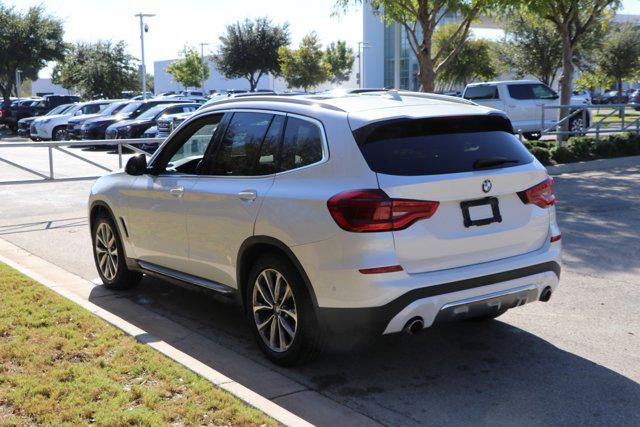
<point x="382" y="45"/>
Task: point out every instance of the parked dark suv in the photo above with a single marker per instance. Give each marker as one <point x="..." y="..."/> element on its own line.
<point x="32" y="107"/>
<point x="95" y="128"/>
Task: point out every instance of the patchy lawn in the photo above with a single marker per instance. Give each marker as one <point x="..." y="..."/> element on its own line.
<point x="59" y="364"/>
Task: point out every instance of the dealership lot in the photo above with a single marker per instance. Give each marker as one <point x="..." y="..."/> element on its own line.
<point x="573" y="360"/>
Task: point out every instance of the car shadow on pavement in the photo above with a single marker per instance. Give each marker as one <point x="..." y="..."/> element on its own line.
<point x="462" y="373"/>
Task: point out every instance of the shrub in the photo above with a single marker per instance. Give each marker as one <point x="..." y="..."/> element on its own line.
<point x="581" y="147"/>
<point x="563" y="155"/>
<point x="542" y="154"/>
<point x="605" y="149"/>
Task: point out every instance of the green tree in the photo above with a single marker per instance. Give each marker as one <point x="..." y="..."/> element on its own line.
<point x="420" y="18"/>
<point x="573" y="20"/>
<point x="340" y="59"/>
<point x="250" y="50"/>
<point x="532" y="47"/>
<point x="27" y="42"/>
<point x="189" y="69"/>
<point x="150" y="83"/>
<point x="619" y="58"/>
<point x="475" y="60"/>
<point x="100" y="69"/>
<point x="304" y="67"/>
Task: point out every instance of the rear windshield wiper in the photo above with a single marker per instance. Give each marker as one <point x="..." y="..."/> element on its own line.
<point x="492" y="161"/>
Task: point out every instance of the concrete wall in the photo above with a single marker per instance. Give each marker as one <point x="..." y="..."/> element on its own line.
<point x="373" y="56"/>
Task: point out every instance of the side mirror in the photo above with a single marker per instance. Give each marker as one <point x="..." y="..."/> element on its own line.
<point x="137" y="165"/>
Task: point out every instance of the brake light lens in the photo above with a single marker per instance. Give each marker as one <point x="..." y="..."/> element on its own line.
<point x="540" y="195"/>
<point x="373" y="210"/>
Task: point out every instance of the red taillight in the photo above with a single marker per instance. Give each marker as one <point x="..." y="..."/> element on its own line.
<point x="555" y="238"/>
<point x="373" y="210"/>
<point x="3" y="112"/>
<point x="540" y="195"/>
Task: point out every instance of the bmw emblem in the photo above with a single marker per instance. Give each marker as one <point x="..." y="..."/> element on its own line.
<point x="486" y="185"/>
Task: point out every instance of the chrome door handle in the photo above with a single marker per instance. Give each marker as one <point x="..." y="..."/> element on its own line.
<point x="248" y="195"/>
<point x="177" y="191"/>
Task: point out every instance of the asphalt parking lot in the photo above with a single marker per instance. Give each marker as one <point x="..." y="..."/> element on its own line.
<point x="574" y="360"/>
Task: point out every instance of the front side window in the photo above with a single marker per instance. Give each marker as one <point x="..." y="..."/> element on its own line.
<point x="481" y="92"/>
<point x="189" y="146"/>
<point x="302" y="144"/>
<point x="531" y="91"/>
<point x="240" y="146"/>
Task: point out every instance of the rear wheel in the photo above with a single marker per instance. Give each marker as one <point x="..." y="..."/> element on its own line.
<point x="280" y="312"/>
<point x="108" y="255"/>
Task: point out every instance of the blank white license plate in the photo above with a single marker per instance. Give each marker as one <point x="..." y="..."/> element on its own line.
<point x="480" y="212"/>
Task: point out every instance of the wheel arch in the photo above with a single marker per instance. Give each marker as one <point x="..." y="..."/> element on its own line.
<point x="252" y="248"/>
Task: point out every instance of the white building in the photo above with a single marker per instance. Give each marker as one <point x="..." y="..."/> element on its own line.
<point x="163" y="81"/>
<point x="384" y="46"/>
<point x="45" y="87"/>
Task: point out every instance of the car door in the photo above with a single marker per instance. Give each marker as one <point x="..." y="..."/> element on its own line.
<point x="223" y="204"/>
<point x="156" y="218"/>
<point x="525" y="101"/>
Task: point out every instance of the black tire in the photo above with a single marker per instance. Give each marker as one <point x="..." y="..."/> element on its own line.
<point x="532" y="136"/>
<point x="58" y="133"/>
<point x="119" y="277"/>
<point x="577" y="126"/>
<point x="307" y="342"/>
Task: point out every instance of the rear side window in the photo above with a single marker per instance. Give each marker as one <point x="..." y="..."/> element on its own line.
<point x="530" y="91"/>
<point x="481" y="92"/>
<point x="441" y="145"/>
<point x="302" y="144"/>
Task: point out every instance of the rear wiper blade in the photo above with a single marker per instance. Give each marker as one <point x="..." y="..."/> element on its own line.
<point x="492" y="161"/>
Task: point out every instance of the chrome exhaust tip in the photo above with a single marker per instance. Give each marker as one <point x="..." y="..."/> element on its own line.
<point x="413" y="326"/>
<point x="546" y="294"/>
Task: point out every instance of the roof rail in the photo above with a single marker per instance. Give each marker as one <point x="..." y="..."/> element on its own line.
<point x="276" y="98"/>
<point x="427" y="95"/>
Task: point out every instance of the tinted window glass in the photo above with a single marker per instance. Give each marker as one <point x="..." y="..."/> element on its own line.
<point x="240" y="145"/>
<point x="481" y="92"/>
<point x="185" y="156"/>
<point x="531" y="91"/>
<point x="302" y="144"/>
<point x="437" y="146"/>
<point x="268" y="151"/>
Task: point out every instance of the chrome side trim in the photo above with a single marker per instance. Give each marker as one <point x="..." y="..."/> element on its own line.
<point x="489" y="296"/>
<point x="184" y="277"/>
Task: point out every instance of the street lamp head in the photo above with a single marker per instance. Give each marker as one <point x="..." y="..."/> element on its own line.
<point x="146" y="28"/>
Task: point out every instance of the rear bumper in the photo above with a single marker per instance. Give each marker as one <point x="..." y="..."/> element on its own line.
<point x="445" y="301"/>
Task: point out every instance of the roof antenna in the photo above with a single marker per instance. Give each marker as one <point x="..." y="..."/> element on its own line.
<point x="393" y="94"/>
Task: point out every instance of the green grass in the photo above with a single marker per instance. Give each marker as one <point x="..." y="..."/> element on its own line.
<point x="61" y="365"/>
<point x="599" y="114"/>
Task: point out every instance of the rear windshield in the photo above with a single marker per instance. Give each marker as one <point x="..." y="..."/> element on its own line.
<point x="441" y="145"/>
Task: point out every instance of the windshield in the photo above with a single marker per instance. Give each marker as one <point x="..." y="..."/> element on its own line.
<point x="113" y="108"/>
<point x="59" y="109"/>
<point x="152" y="112"/>
<point x="131" y="107"/>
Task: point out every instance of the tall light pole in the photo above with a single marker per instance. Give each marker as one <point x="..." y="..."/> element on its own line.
<point x="361" y="47"/>
<point x="202" y="45"/>
<point x="143" y="29"/>
<point x="18" y="83"/>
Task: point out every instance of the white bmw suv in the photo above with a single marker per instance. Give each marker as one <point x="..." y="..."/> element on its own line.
<point x="368" y="213"/>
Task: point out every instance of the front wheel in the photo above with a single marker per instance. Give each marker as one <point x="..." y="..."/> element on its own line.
<point x="59" y="134"/>
<point x="108" y="255"/>
<point x="280" y="312"/>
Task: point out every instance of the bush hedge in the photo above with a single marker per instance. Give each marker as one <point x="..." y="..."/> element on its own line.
<point x="581" y="148"/>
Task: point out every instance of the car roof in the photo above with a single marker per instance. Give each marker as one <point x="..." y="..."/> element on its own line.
<point x="361" y="108"/>
<point x="495" y="82"/>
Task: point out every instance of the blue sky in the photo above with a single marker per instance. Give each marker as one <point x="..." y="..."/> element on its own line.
<point x="201" y="21"/>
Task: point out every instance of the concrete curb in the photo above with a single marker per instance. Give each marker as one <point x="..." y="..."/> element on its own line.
<point x="594" y="165"/>
<point x="63" y="283"/>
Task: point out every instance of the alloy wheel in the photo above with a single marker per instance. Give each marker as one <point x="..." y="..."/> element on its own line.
<point x="106" y="251"/>
<point x="274" y="310"/>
